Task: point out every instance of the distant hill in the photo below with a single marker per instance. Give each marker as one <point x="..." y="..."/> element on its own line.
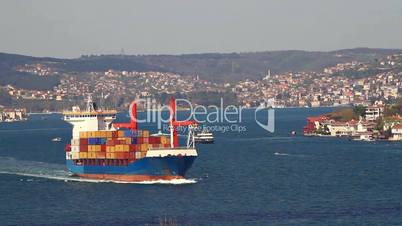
<point x="8" y="75"/>
<point x="210" y="66"/>
<point x="254" y="65"/>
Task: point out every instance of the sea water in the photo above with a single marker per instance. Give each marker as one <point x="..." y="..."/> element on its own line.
<point x="251" y="177"/>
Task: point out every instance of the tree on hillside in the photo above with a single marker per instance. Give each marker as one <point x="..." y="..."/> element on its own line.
<point x="359" y="110"/>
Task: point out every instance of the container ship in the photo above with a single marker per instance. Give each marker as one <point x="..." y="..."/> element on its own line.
<point x="103" y="150"/>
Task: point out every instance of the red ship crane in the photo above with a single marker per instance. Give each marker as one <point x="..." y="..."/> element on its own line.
<point x="133" y="123"/>
<point x="174" y="140"/>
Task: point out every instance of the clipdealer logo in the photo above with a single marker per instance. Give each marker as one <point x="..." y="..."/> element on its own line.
<point x="214" y="118"/>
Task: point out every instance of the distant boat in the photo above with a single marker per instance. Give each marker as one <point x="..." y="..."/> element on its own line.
<point x="204" y="137"/>
<point x="293" y="132"/>
<point x="56" y="139"/>
<point x="370" y="139"/>
<point x="159" y="133"/>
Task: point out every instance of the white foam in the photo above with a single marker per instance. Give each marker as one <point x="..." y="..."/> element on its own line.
<point x="174" y="181"/>
<point x="277" y="153"/>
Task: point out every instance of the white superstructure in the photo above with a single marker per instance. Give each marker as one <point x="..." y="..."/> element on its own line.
<point x="89" y="120"/>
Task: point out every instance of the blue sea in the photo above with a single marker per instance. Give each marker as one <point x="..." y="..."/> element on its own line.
<point x="248" y="178"/>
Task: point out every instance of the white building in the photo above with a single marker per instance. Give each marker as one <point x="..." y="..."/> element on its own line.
<point x="374" y="112"/>
<point x="396" y="132"/>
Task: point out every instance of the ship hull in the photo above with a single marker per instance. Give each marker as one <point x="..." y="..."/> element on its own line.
<point x="126" y="177"/>
<point x="148" y="168"/>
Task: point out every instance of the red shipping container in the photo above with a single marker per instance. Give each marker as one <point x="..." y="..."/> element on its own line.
<point x="83" y="141"/>
<point x="131" y="155"/>
<point x="166" y="145"/>
<point x="112" y="142"/>
<point x="115" y="134"/>
<point x="103" y="147"/>
<point x="83" y="148"/>
<point x="145" y="140"/>
<point x="122" y="155"/>
<point x="140" y="140"/>
<point x="133" y="147"/>
<point x="154" y="140"/>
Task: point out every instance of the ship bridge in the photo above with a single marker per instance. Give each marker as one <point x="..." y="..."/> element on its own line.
<point x="91" y="119"/>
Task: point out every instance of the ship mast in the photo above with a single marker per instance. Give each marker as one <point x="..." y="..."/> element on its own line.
<point x="91" y="106"/>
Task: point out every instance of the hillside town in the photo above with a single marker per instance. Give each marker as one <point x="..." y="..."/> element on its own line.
<point x="334" y="86"/>
<point x="12" y="115"/>
<point x="375" y="122"/>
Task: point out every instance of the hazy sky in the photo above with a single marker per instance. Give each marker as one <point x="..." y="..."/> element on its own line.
<point x="70" y="28"/>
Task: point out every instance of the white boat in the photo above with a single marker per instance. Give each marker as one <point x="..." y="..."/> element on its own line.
<point x="159" y="133"/>
<point x="56" y="139"/>
<point x="364" y="139"/>
<point x="204" y="136"/>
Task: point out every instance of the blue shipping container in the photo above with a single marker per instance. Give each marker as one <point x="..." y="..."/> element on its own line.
<point x="102" y="140"/>
<point x="92" y="141"/>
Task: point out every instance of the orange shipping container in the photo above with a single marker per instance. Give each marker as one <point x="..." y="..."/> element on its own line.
<point x="103" y="134"/>
<point x="122" y="148"/>
<point x="164" y="140"/>
<point x="94" y="148"/>
<point x="144" y="147"/>
<point x="110" y="155"/>
<point x="120" y="133"/>
<point x="122" y="155"/>
<point x="91" y="134"/>
<point x="100" y="155"/>
<point x="145" y="133"/>
<point x="92" y="155"/>
<point x="83" y="155"/>
<point x="109" y="134"/>
<point x="83" y="134"/>
<point x="110" y="148"/>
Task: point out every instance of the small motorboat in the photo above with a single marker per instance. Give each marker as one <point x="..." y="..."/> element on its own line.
<point x="159" y="133"/>
<point x="56" y="139"/>
<point x="204" y="137"/>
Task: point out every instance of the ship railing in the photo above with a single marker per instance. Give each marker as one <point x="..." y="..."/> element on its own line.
<point x="164" y="148"/>
<point x="89" y="112"/>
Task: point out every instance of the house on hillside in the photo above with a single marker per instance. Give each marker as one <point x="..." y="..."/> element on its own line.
<point x="374" y="112"/>
<point x="396" y="132"/>
<point x="314" y="124"/>
<point x="343" y="128"/>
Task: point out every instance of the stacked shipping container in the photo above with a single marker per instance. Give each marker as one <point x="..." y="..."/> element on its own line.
<point x="115" y="145"/>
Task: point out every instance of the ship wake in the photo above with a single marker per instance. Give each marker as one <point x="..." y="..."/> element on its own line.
<point x="53" y="171"/>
